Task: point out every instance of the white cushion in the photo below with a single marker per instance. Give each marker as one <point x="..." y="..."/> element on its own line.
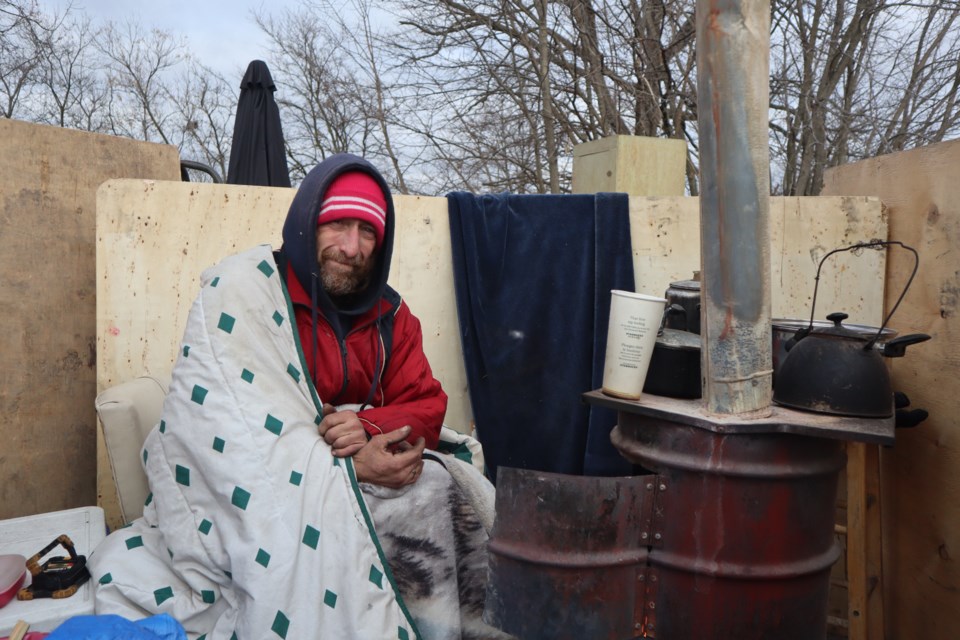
<point x="127" y="412"/>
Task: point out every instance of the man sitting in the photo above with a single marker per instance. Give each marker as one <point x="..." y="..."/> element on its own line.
<point x="256" y="525"/>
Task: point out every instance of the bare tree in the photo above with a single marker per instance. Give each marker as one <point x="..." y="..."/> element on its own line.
<point x="558" y="73"/>
<point x="70" y="85"/>
<point x="139" y="66"/>
<point x="204" y="106"/>
<point x="854" y="80"/>
<point x="493" y="95"/>
<point x="25" y="34"/>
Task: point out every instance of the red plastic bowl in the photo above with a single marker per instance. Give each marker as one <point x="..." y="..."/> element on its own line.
<point x="13" y="570"/>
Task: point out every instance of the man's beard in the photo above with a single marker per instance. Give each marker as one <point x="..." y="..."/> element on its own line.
<point x="339" y="282"/>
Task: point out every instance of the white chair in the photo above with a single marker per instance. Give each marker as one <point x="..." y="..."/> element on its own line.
<point x="127" y="412"/>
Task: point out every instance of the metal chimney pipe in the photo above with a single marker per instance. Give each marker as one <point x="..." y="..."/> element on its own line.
<point x="733" y="61"/>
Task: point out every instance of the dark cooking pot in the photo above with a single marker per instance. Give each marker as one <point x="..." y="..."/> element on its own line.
<point x="839" y="370"/>
<point x="784" y="332"/>
<point x="675" y="363"/>
<point x="686" y="295"/>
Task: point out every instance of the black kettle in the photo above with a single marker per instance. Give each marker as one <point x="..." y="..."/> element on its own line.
<point x="839" y="371"/>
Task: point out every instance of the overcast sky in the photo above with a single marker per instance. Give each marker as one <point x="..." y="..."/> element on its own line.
<point x="221" y="33"/>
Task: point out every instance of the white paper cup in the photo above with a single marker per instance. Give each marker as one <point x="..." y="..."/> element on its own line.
<point x="631" y="336"/>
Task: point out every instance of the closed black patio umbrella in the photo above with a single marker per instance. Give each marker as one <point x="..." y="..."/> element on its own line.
<point x="257" y="156"/>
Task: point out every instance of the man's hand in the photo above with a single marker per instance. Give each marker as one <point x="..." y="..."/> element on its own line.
<point x="389" y="461"/>
<point x="343" y="431"/>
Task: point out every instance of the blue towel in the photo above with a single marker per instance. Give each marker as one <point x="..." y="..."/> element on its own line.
<point x="112" y="627"/>
<point x="533" y="276"/>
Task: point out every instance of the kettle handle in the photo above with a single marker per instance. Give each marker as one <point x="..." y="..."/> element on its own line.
<point x="873" y="244"/>
<point x="897" y="347"/>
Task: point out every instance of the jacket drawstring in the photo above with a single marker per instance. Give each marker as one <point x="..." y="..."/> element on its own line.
<point x="314" y="328"/>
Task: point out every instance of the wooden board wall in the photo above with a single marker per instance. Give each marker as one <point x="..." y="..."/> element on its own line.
<point x="665" y="232"/>
<point x="920" y="497"/>
<point x="48" y="182"/>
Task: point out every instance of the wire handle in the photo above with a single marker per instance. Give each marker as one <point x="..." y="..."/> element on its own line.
<point x="873" y="244"/>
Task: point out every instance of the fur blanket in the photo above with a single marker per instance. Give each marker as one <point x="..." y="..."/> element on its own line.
<point x="254" y="530"/>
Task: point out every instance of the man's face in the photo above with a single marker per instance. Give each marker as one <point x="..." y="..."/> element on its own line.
<point x="345" y="253"/>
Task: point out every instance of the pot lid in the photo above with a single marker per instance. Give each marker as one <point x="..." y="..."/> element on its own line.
<point x="840" y="330"/>
<point x="677" y="339"/>
<point x="864" y="331"/>
<point x="686" y="285"/>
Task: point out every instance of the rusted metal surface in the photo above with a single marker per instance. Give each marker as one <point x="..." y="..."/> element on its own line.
<point x="780" y="420"/>
<point x="744" y="532"/>
<point x="733" y="43"/>
<point x="566" y="555"/>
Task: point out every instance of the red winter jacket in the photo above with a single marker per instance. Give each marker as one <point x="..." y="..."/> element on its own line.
<point x="406" y="394"/>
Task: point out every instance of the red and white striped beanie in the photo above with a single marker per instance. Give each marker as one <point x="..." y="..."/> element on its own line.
<point x="355" y="194"/>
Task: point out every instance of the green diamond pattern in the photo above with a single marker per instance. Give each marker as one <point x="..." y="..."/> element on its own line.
<point x="160" y="595"/>
<point x="280" y="625"/>
<point x="263" y="558"/>
<point x="311" y="537"/>
<point x="183" y="476"/>
<point x="215" y="281"/>
<point x="273" y="425"/>
<point x="277" y="318"/>
<point x="240" y="498"/>
<point x="294" y="373"/>
<point x="247" y="375"/>
<point x="208" y="596"/>
<point x="219" y="444"/>
<point x="265" y="268"/>
<point x="330" y="599"/>
<point x="106" y="578"/>
<point x="199" y="394"/>
<point x="296" y="478"/>
<point x="134" y="542"/>
<point x="402" y="634"/>
<point x="226" y="323"/>
<point x="186" y="351"/>
<point x="376" y="576"/>
<point x="205" y="526"/>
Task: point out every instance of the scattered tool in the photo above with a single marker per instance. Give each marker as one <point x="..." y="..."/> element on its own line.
<point x="58" y="577"/>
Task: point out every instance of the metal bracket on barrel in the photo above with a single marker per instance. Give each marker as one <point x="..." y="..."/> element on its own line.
<point x="645" y="611"/>
<point x="651" y="534"/>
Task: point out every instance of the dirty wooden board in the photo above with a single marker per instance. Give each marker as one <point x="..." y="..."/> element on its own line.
<point x="920" y="497"/>
<point x="665" y="232"/>
<point x="48" y="181"/>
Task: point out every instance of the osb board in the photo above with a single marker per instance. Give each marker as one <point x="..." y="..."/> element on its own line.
<point x="638" y="165"/>
<point x="48" y="182"/>
<point x="920" y="497"/>
<point x="665" y="233"/>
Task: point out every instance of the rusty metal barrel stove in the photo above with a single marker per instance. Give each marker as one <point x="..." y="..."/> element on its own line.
<point x="743" y="538"/>
<point x="565" y="554"/>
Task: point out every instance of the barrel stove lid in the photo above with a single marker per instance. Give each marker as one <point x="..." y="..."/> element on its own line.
<point x="780" y="420"/>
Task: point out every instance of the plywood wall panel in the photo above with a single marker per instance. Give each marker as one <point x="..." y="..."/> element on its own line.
<point x="48" y="182"/>
<point x="665" y="233"/>
<point x="921" y="472"/>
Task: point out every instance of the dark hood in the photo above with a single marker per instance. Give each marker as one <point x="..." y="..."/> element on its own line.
<point x="300" y="234"/>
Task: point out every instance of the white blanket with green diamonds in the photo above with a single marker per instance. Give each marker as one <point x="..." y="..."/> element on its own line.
<point x="253" y="529"/>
